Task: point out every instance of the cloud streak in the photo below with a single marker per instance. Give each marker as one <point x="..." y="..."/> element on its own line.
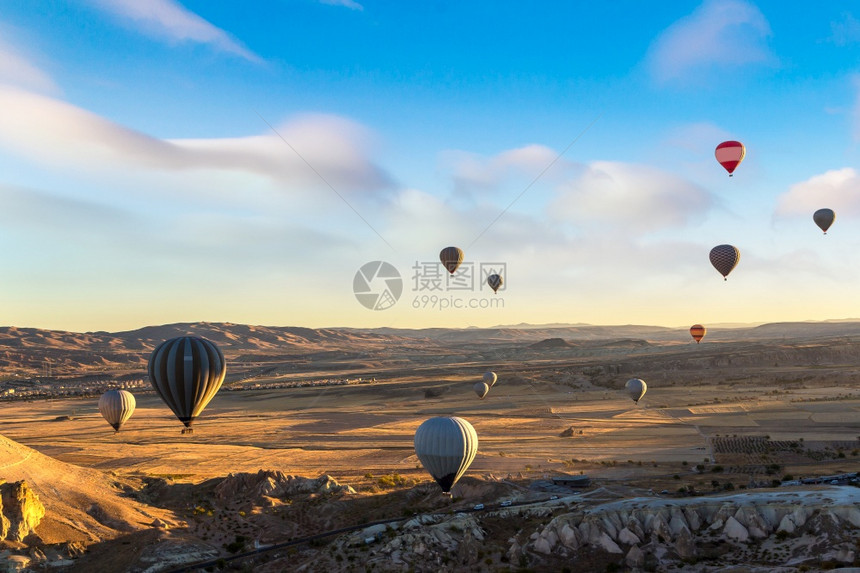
<point x="169" y="20"/>
<point x="838" y="189"/>
<point x="17" y="70"/>
<point x="50" y="131"/>
<point x="636" y="198"/>
<point x="719" y="34"/>
<point x="351" y="4"/>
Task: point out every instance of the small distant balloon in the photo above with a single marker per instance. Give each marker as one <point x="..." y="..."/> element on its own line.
<point x="446" y="448"/>
<point x="725" y="258"/>
<point x="495" y="281"/>
<point x="730" y="154"/>
<point x="824" y="218"/>
<point x="636" y="388"/>
<point x="697" y="331"/>
<point x="451" y="257"/>
<point x="117" y="406"/>
<point x="481" y="389"/>
<point x="490" y="379"/>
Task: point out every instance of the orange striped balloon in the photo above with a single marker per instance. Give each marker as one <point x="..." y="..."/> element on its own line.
<point x="697" y="331"/>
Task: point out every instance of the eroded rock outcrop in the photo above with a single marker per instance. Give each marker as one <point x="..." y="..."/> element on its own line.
<point x="21" y="511"/>
<point x="810" y="524"/>
<point x="274" y="484"/>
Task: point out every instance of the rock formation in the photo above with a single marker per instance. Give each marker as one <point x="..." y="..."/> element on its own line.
<point x="20" y="511"/>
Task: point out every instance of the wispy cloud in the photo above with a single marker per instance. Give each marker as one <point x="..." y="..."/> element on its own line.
<point x="846" y="30"/>
<point x="345" y="3"/>
<point x="473" y="173"/>
<point x="636" y="198"/>
<point x="719" y="34"/>
<point x="53" y="132"/>
<point x="170" y="20"/>
<point x="838" y="189"/>
<point x="16" y="69"/>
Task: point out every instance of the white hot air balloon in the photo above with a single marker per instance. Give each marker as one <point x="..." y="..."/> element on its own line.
<point x="490" y="379"/>
<point x="636" y="388"/>
<point x="117" y="406"/>
<point x="446" y="448"/>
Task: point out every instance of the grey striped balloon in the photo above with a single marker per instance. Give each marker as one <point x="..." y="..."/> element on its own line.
<point x="117" y="406"/>
<point x="187" y="372"/>
<point x="446" y="448"/>
<point x="725" y="258"/>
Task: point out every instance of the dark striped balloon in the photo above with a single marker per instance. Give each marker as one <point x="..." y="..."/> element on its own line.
<point x="495" y="282"/>
<point x="725" y="258"/>
<point x="451" y="257"/>
<point x="187" y="372"/>
<point x="824" y="218"/>
<point x="116" y="406"/>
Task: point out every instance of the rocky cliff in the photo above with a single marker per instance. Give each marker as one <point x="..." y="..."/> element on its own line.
<point x="20" y="511"/>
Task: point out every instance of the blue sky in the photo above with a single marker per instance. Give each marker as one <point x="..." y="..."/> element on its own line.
<point x="141" y="181"/>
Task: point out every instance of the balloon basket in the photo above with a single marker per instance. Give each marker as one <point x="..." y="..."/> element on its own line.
<point x="187" y="431"/>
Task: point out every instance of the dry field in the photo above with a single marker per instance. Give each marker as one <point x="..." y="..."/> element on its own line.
<point x="351" y="432"/>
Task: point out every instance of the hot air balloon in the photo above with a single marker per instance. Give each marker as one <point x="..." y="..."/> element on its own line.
<point x="116" y="406"/>
<point x="730" y="154"/>
<point x="187" y="372"/>
<point x="446" y="448"/>
<point x="451" y="257"/>
<point x="725" y="258"/>
<point x="636" y="388"/>
<point x="697" y="331"/>
<point x="481" y="389"/>
<point x="490" y="379"/>
<point x="824" y="218"/>
<point x="495" y="281"/>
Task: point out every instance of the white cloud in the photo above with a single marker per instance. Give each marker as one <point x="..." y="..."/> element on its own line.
<point x="17" y="70"/>
<point x="473" y="173"/>
<point x="351" y="4"/>
<point x="846" y="30"/>
<point x="856" y="111"/>
<point x="168" y="19"/>
<point x="56" y="133"/>
<point x="636" y="198"/>
<point x="718" y="34"/>
<point x="838" y="189"/>
<point x="697" y="138"/>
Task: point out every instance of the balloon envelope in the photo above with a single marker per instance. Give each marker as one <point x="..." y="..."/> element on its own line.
<point x="481" y="389"/>
<point x="697" y="331"/>
<point x="490" y="379"/>
<point x="495" y="281"/>
<point x="451" y="257"/>
<point x="730" y="154"/>
<point x="824" y="218"/>
<point x="725" y="258"/>
<point x="187" y="372"/>
<point x="446" y="448"/>
<point x="636" y="388"/>
<point x="117" y="406"/>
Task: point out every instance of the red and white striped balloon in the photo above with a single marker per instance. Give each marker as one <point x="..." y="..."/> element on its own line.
<point x="730" y="154"/>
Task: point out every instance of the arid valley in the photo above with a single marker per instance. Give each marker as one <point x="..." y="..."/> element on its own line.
<point x="313" y="430"/>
